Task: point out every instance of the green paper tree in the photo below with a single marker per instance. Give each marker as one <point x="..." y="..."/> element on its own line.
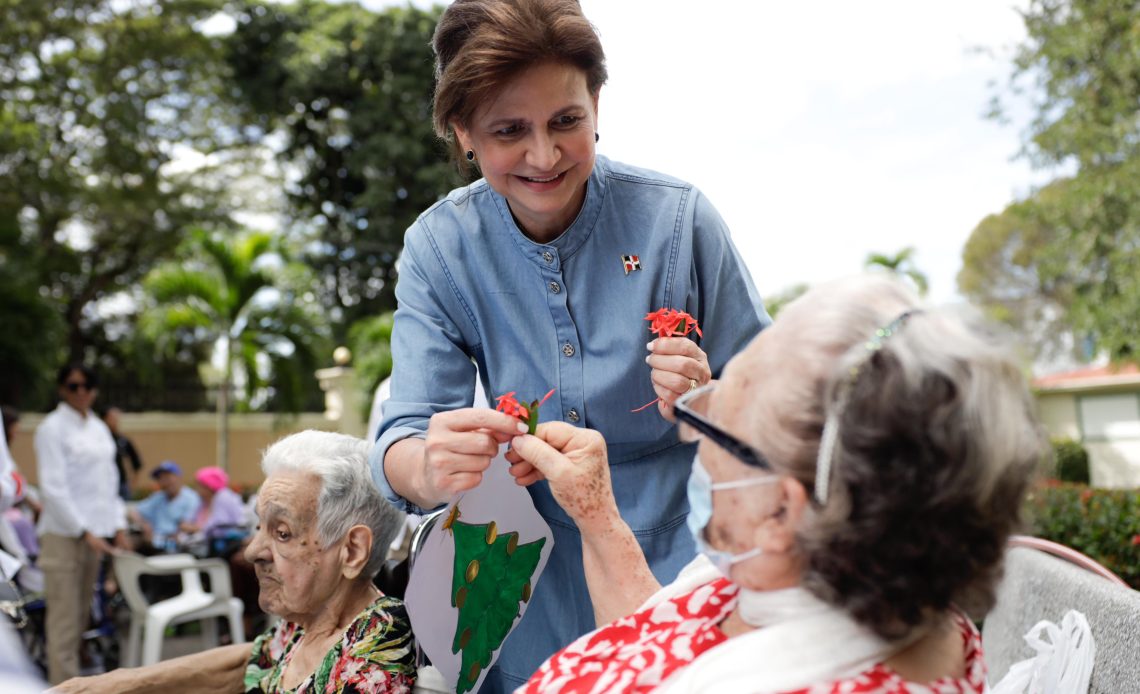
<point x="490" y="581"/>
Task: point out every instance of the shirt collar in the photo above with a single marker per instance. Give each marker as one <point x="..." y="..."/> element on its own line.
<point x="569" y="241"/>
<point x="69" y="411"/>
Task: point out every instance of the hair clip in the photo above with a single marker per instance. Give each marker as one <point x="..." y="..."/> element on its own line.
<point x="831" y="426"/>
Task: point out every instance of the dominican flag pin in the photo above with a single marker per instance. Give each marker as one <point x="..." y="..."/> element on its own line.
<point x="631" y="263"/>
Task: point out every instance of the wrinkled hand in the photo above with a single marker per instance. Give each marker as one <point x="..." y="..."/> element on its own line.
<point x="459" y="447"/>
<point x="676" y="362"/>
<point x="575" y="463"/>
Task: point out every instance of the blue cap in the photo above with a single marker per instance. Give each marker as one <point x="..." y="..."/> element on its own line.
<point x="166" y="466"/>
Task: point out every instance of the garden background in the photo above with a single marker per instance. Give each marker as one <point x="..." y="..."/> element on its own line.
<point x="205" y="214"/>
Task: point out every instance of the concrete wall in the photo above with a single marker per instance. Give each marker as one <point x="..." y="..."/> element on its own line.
<point x="188" y="439"/>
<point x="1058" y="412"/>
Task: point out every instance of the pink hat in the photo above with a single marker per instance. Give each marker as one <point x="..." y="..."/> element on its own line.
<point x="212" y="478"/>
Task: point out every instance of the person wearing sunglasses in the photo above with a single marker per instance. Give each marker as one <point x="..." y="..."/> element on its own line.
<point x="79" y="487"/>
<point x="859" y="468"/>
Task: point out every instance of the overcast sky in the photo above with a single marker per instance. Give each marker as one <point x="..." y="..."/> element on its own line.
<point x="823" y="130"/>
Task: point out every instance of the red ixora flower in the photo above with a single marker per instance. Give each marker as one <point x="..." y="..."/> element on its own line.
<point x="1136" y="540"/>
<point x="669" y="322"/>
<point x="507" y="404"/>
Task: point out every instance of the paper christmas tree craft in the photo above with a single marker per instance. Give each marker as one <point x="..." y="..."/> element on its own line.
<point x="491" y="579"/>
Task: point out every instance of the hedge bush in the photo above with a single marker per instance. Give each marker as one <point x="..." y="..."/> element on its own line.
<point x="1102" y="523"/>
<point x="1070" y="461"/>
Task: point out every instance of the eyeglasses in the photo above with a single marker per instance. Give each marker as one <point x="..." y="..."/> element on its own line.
<point x="74" y="386"/>
<point x="689" y="410"/>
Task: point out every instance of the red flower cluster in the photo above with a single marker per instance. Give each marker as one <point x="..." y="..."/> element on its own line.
<point x="1136" y="540"/>
<point x="507" y="404"/>
<point x="669" y="322"/>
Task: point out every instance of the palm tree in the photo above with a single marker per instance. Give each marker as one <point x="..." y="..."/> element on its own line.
<point x="901" y="265"/>
<point x="241" y="294"/>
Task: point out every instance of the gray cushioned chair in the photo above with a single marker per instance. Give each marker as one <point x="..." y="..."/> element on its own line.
<point x="1045" y="585"/>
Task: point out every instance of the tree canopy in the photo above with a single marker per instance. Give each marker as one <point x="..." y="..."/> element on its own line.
<point x="95" y="95"/>
<point x="241" y="293"/>
<point x="900" y="265"/>
<point x="123" y="126"/>
<point x="1076" y="243"/>
<point x="350" y="90"/>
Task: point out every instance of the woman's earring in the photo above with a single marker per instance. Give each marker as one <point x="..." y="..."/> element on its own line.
<point x="470" y="155"/>
<point x="597" y="137"/>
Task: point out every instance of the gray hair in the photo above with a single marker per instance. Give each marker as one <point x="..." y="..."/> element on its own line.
<point x="936" y="442"/>
<point x="347" y="496"/>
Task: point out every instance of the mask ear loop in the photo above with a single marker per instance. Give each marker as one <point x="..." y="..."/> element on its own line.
<point x="830" y="434"/>
<point x="826" y="454"/>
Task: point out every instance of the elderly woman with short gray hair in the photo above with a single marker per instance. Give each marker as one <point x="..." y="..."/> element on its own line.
<point x="322" y="533"/>
<point x="859" y="469"/>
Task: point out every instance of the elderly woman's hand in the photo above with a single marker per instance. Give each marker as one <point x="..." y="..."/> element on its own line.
<point x="679" y="365"/>
<point x="574" y="461"/>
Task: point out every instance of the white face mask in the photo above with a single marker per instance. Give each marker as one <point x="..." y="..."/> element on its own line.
<point x="700" y="491"/>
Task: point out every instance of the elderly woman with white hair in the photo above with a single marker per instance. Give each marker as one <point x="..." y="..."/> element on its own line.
<point x="323" y="529"/>
<point x="859" y="469"/>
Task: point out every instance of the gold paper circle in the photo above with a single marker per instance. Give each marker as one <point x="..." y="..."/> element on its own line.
<point x="472" y="570"/>
<point x="492" y="533"/>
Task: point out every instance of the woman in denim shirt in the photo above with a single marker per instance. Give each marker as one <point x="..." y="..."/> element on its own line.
<point x="540" y="274"/>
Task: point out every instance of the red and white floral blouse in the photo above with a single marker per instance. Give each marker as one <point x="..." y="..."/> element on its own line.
<point x="640" y="652"/>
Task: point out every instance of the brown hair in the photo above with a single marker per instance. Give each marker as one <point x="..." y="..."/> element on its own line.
<point x="481" y="45"/>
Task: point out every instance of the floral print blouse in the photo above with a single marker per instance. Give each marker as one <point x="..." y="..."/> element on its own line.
<point x="376" y="654"/>
<point x="638" y="653"/>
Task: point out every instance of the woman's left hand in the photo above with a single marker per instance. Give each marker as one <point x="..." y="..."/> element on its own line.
<point x="679" y="365"/>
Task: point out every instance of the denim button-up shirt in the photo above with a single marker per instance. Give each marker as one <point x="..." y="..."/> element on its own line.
<point x="569" y="315"/>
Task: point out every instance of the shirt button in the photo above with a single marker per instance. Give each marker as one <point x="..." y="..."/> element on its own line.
<point x="548" y="257"/>
<point x="568" y="349"/>
<point x="572" y="415"/>
<point x="555" y="287"/>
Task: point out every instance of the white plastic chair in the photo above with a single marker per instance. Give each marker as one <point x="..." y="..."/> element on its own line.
<point x="149" y="621"/>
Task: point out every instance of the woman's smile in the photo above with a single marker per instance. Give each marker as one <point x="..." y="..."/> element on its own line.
<point x="535" y="146"/>
<point x="541" y="183"/>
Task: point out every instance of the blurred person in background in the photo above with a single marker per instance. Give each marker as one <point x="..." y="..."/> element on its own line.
<point x="25" y="510"/>
<point x="82" y="511"/>
<point x="126" y="457"/>
<point x="8" y="483"/>
<point x="163" y="513"/>
<point x="221" y="518"/>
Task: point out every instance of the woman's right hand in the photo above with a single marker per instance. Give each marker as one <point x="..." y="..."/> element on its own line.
<point x="459" y="447"/>
<point x="97" y="543"/>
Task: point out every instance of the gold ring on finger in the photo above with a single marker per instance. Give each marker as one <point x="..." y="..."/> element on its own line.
<point x="692" y="384"/>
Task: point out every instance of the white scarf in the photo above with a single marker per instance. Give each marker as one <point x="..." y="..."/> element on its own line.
<point x="804" y="642"/>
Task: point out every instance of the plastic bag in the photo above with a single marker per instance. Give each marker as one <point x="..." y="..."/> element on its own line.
<point x="1063" y="662"/>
